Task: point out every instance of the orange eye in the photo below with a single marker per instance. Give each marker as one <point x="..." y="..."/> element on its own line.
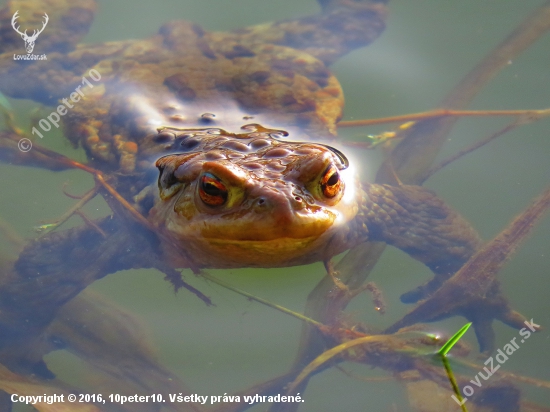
<point x="330" y="182"/>
<point x="212" y="191"/>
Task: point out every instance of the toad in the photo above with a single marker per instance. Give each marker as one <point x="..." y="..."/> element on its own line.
<point x="226" y="142"/>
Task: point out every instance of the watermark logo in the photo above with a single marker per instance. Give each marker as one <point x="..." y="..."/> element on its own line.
<point x="29" y="40"/>
<point x="54" y="117"/>
<point x="24" y="145"/>
<point x="501" y="357"/>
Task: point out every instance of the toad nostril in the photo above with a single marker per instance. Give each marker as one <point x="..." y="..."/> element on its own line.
<point x="261" y="201"/>
<point x="298" y="198"/>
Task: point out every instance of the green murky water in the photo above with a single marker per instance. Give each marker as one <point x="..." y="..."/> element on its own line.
<point x="427" y="47"/>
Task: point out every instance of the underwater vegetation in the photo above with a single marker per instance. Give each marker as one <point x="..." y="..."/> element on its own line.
<point x="61" y="334"/>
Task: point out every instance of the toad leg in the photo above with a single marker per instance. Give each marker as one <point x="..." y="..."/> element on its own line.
<point x="342" y="26"/>
<point x="416" y="221"/>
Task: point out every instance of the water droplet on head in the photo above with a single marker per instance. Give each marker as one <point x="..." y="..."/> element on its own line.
<point x="279" y="134"/>
<point x="208" y="118"/>
<point x="250" y="127"/>
<point x="178" y="118"/>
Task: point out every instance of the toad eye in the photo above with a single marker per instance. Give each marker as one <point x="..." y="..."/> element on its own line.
<point x="330" y="182"/>
<point x="211" y="190"/>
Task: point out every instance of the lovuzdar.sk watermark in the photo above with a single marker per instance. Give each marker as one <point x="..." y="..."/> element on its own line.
<point x="501" y="357"/>
<point x="29" y="40"/>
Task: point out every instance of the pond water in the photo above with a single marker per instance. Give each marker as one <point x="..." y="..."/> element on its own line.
<point x="426" y="49"/>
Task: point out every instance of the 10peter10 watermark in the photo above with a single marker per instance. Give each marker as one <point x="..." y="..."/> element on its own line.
<point x="62" y="109"/>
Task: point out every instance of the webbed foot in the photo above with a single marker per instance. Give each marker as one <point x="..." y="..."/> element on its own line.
<point x="474" y="292"/>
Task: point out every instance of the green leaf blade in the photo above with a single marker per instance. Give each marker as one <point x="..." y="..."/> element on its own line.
<point x="454" y="339"/>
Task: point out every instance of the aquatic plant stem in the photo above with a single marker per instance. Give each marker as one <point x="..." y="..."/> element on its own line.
<point x="69" y="163"/>
<point x="414" y="155"/>
<point x="72" y="210"/>
<point x="518" y="122"/>
<point x="432" y="114"/>
<point x="454" y="384"/>
<point x="260" y="300"/>
<point x="443" y="354"/>
<point x="329" y="355"/>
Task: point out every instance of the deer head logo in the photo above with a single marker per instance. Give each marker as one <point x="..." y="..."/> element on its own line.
<point x="29" y="40"/>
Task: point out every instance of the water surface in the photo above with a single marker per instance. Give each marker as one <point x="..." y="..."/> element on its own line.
<point x="427" y="47"/>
